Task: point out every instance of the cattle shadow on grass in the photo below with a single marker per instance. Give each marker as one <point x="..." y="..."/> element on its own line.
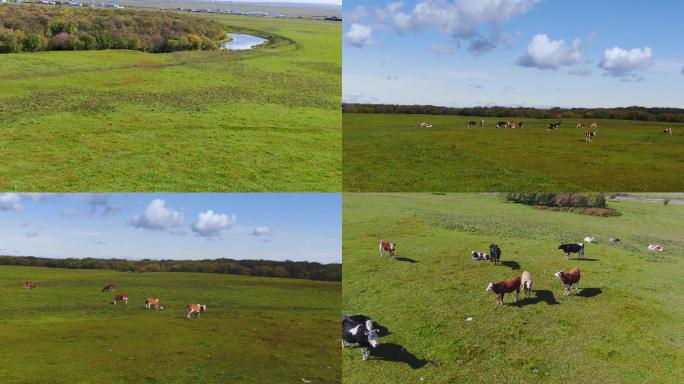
<point x="540" y="295"/>
<point x="510" y="264"/>
<point x="590" y="292"/>
<point x="399" y="354"/>
<point x="406" y="259"/>
<point x="585" y="259"/>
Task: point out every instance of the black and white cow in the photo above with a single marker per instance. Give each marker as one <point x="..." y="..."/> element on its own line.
<point x="573" y="248"/>
<point x="501" y="124"/>
<point x="359" y="330"/>
<point x="471" y="123"/>
<point x="494" y="253"/>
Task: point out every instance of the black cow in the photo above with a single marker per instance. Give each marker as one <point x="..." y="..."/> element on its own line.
<point x="573" y="248"/>
<point x="501" y="124"/>
<point x="359" y="330"/>
<point x="494" y="253"/>
<point x="471" y="123"/>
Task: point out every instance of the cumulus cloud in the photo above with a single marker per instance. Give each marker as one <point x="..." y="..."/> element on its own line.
<point x="580" y="72"/>
<point x="544" y="53"/>
<point x="620" y="62"/>
<point x="157" y="217"/>
<point x="262" y="231"/>
<point x="10" y="202"/>
<point x="210" y="224"/>
<point x="99" y="203"/>
<point x="357" y="14"/>
<point x="359" y="35"/>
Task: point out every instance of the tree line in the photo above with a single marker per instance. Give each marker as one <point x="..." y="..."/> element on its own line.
<point x="40" y="28"/>
<point x="265" y="268"/>
<point x="627" y="113"/>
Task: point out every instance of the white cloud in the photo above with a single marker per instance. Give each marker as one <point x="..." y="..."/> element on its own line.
<point x="359" y="35"/>
<point x="262" y="231"/>
<point x="544" y="53"/>
<point x="211" y="224"/>
<point x="357" y="14"/>
<point x="444" y="48"/>
<point x="157" y="217"/>
<point x="99" y="203"/>
<point x="31" y="234"/>
<point x="10" y="202"/>
<point x="619" y="62"/>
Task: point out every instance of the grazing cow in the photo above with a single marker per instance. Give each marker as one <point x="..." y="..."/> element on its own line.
<point x="153" y="303"/>
<point x="573" y="248"/>
<point x="108" y="287"/>
<point x="425" y="125"/>
<point x="506" y="286"/>
<point x="495" y="253"/>
<point x="29" y="285"/>
<point x="119" y="298"/>
<point x="471" y="123"/>
<point x="479" y="256"/>
<point x="196" y="309"/>
<point x="356" y="331"/>
<point x="593" y="125"/>
<point x="569" y="279"/>
<point x="553" y="126"/>
<point x="520" y="124"/>
<point x="387" y="246"/>
<point x="501" y="124"/>
<point x="667" y="131"/>
<point x="590" y="239"/>
<point x="482" y="123"/>
<point x="614" y="240"/>
<point x="526" y="281"/>
<point x="580" y="125"/>
<point x="510" y="124"/>
<point x="655" y="248"/>
<point x="590" y="136"/>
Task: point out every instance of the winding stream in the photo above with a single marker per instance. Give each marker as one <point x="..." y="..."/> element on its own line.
<point x="241" y="42"/>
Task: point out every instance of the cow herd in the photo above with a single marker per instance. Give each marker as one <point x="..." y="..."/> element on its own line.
<point x="150" y="302"/>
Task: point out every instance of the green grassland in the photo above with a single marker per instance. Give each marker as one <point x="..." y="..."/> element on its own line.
<point x="267" y="119"/>
<point x="389" y="153"/>
<point x="622" y="326"/>
<point x="255" y="330"/>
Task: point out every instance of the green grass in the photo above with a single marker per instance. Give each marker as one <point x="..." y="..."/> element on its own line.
<point x="624" y="327"/>
<point x="389" y="153"/>
<point x="255" y="330"/>
<point x="267" y="119"/>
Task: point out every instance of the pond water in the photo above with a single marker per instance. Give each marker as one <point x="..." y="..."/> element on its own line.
<point x="241" y="42"/>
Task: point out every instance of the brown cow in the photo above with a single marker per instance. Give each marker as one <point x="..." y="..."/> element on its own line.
<point x="569" y="279"/>
<point x="196" y="308"/>
<point x="590" y="136"/>
<point x="593" y="125"/>
<point x="153" y="302"/>
<point x="506" y="286"/>
<point x="28" y="284"/>
<point x="667" y="131"/>
<point x="119" y="298"/>
<point x="108" y="287"/>
<point x="387" y="246"/>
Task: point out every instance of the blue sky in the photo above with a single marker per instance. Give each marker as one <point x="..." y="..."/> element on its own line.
<point x="172" y="226"/>
<point x="509" y="52"/>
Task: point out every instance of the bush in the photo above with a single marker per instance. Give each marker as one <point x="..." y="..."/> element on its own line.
<point x="551" y="199"/>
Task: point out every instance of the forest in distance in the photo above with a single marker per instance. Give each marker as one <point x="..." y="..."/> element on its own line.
<point x="264" y="268"/>
<point x="672" y="115"/>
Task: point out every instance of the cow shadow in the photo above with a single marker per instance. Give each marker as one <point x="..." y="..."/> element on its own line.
<point x="585" y="259"/>
<point x="399" y="354"/>
<point x="540" y="295"/>
<point x="406" y="259"/>
<point x="590" y="292"/>
<point x="510" y="264"/>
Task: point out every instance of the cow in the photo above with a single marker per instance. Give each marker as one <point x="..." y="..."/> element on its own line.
<point x="614" y="240"/>
<point x="479" y="256"/>
<point x="108" y="287"/>
<point x="29" y="285"/>
<point x="356" y="331"/>
<point x="482" y="123"/>
<point x="471" y="123"/>
<point x="593" y="125"/>
<point x="553" y="126"/>
<point x="655" y="248"/>
<point x="503" y="287"/>
<point x="510" y="124"/>
<point x="526" y="281"/>
<point x="572" y="248"/>
<point x="667" y="131"/>
<point x="119" y="298"/>
<point x="387" y="246"/>
<point x="580" y="125"/>
<point x="196" y="309"/>
<point x="424" y="124"/>
<point x="520" y="124"/>
<point x="495" y="253"/>
<point x="589" y="136"/>
<point x="590" y="239"/>
<point x="569" y="279"/>
<point x="501" y="124"/>
<point x="153" y="303"/>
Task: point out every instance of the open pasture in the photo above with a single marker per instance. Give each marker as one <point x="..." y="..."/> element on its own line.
<point x="255" y="330"/>
<point x="391" y="153"/>
<point x="622" y="326"/>
<point x="266" y="119"/>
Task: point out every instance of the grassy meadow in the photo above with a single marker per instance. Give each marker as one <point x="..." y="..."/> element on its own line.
<point x="266" y="119"/>
<point x="390" y="153"/>
<point x="622" y="326"/>
<point x="255" y="330"/>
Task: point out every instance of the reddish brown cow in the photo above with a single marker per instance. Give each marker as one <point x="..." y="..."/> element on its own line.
<point x="569" y="279"/>
<point x="119" y="298"/>
<point x="667" y="131"/>
<point x="196" y="308"/>
<point x="28" y="284"/>
<point x="108" y="287"/>
<point x="153" y="303"/>
<point x="387" y="246"/>
<point x="506" y="286"/>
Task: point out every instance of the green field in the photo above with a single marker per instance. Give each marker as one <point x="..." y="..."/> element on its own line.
<point x="389" y="153"/>
<point x="255" y="330"/>
<point x="262" y="120"/>
<point x="624" y="325"/>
